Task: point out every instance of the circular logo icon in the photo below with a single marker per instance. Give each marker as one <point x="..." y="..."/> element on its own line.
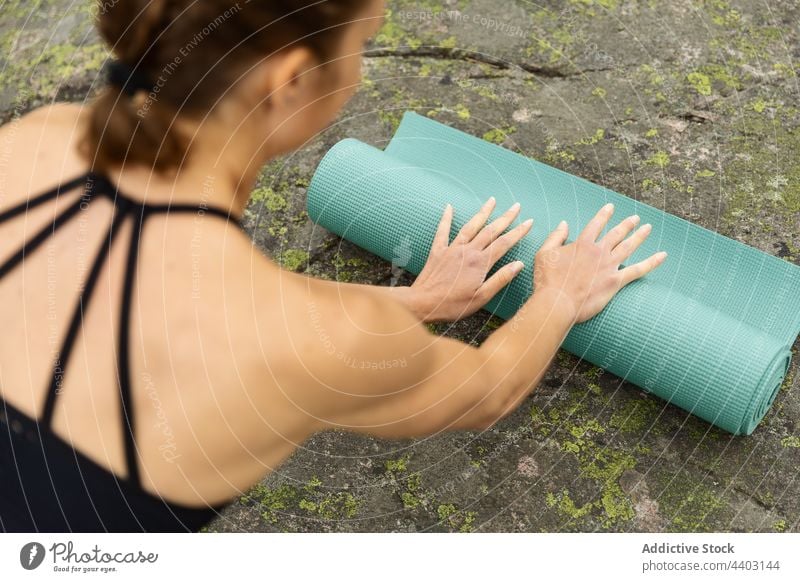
<point x="31" y="555"/>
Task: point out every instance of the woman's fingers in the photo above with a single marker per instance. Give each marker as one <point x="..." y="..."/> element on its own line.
<point x="490" y="232"/>
<point x="502" y="245"/>
<point x="476" y="223"/>
<point x="626" y="248"/>
<point x="641" y="268"/>
<point x="442" y="237"/>
<point x="596" y="225"/>
<point x="502" y="277"/>
<point x="617" y="234"/>
<point x="556" y="237"/>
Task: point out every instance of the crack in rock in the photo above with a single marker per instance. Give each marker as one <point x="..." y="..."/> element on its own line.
<point x="460" y="54"/>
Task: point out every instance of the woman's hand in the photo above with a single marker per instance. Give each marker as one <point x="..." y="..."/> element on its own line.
<point x="587" y="270"/>
<point x="453" y="283"/>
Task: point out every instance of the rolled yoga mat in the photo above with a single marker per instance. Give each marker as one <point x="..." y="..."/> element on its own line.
<point x="710" y="330"/>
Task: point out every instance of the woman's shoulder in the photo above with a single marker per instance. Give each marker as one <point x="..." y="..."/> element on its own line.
<point x="51" y="113"/>
<point x="33" y="142"/>
<point x="57" y="120"/>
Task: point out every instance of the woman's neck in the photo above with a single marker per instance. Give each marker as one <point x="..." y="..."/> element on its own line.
<point x="221" y="170"/>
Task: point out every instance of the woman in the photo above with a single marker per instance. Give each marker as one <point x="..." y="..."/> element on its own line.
<point x="154" y="366"/>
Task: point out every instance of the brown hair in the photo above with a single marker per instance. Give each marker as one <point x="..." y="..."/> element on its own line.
<point x="192" y="51"/>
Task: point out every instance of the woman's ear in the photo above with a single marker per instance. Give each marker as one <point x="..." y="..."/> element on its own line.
<point x="288" y="76"/>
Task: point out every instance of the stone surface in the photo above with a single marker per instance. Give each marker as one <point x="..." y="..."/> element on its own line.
<point x="690" y="106"/>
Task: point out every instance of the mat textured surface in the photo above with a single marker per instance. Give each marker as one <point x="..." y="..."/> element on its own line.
<point x="709" y="331"/>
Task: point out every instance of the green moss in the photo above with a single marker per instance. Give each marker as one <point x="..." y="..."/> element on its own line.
<point x="484" y="91"/>
<point x="391" y="117"/>
<point x="469" y="519"/>
<point x="462" y="111"/>
<point x="449" y="42"/>
<point x="689" y="504"/>
<point x="599" y="92"/>
<point x="498" y="135"/>
<point x="791" y="442"/>
<point x="293" y="259"/>
<point x="337" y="506"/>
<point x="780" y="525"/>
<point x="273" y="501"/>
<point x="307" y="505"/>
<point x="649" y="184"/>
<point x="50" y="67"/>
<point x="396" y="465"/>
<point x="594" y="372"/>
<point x="704" y="79"/>
<point x="567" y="506"/>
<point x="598" y="136"/>
<point x="634" y="416"/>
<point x="348" y="269"/>
<point x="759" y="183"/>
<point x="539" y="421"/>
<point x="659" y="159"/>
<point x="700" y="82"/>
<point x="785" y="70"/>
<point x="272" y="201"/>
<point x="759" y="105"/>
<point x="446" y="510"/>
<point x="390" y="34"/>
<point x="606" y="467"/>
<point x="723" y="74"/>
<point x="651" y="76"/>
<point x="705" y="174"/>
<point x="286" y="499"/>
<point x="411" y="496"/>
<point x="600" y="467"/>
<point x="312" y="485"/>
<point x="651" y="132"/>
<point x="607" y="4"/>
<point x="558" y="156"/>
<point x="457" y="520"/>
<point x="552" y="38"/>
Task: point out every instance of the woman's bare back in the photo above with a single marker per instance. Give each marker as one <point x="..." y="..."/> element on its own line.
<point x="196" y="355"/>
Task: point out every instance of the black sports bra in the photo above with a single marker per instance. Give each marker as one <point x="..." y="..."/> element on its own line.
<point x="45" y="484"/>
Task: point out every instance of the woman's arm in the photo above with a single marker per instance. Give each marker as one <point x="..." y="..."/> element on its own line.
<point x="350" y="359"/>
<point x="459" y="386"/>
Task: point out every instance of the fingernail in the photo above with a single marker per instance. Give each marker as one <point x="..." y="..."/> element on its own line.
<point x="490" y="200"/>
<point x="518" y="266"/>
<point x="562" y="224"/>
<point x="514" y="206"/>
<point x="635" y="218"/>
<point x="448" y="207"/>
<point x="528" y="222"/>
<point x="608" y="207"/>
<point x="647" y="226"/>
<point x="662" y="255"/>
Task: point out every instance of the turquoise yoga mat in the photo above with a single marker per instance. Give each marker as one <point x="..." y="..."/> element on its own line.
<point x="710" y="330"/>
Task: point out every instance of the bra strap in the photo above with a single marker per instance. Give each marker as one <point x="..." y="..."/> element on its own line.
<point x="40" y="237"/>
<point x="42" y="198"/>
<point x="59" y="365"/>
<point x="108" y="188"/>
<point x="126" y="399"/>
